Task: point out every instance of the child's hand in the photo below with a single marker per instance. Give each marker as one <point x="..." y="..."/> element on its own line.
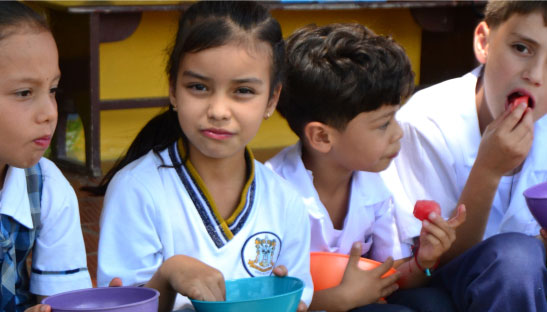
<point x="543" y="237"/>
<point x="506" y="141"/>
<point x="365" y="287"/>
<point x="39" y="308"/>
<point x="281" y="271"/>
<point x="437" y="236"/>
<point x="543" y="234"/>
<point x="194" y="279"/>
<point x="115" y="282"/>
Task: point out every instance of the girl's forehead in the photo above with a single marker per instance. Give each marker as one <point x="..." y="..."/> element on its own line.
<point x="21" y="27"/>
<point x="253" y="47"/>
<point x="249" y="42"/>
<point x="255" y="56"/>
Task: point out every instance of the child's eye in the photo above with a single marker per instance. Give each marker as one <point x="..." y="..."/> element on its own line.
<point x="521" y="48"/>
<point x="197" y="87"/>
<point x="245" y="90"/>
<point x="23" y="93"/>
<point x="53" y="90"/>
<point x="384" y="126"/>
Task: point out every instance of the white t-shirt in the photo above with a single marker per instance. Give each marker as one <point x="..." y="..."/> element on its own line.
<point x="151" y="214"/>
<point x="59" y="261"/>
<point x="369" y="218"/>
<point x="439" y="147"/>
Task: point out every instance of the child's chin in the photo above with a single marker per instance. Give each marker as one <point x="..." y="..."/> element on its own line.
<point x="379" y="167"/>
<point x="28" y="161"/>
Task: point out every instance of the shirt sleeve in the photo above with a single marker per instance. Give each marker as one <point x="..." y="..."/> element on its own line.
<point x="59" y="256"/>
<point x="295" y="253"/>
<point x="129" y="245"/>
<point x="424" y="169"/>
<point x="385" y="235"/>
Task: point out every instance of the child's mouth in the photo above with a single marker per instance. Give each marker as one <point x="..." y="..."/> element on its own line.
<point x="518" y="97"/>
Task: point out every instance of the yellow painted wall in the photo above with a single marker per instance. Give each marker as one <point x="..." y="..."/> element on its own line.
<point x="134" y="68"/>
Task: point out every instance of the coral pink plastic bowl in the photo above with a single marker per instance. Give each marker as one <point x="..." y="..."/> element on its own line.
<point x="106" y="299"/>
<point x="536" y="199"/>
<point x="327" y="268"/>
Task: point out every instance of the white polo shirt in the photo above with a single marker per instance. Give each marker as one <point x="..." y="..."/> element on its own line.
<point x="369" y="218"/>
<point x="439" y="147"/>
<point x="151" y="214"/>
<point x="59" y="260"/>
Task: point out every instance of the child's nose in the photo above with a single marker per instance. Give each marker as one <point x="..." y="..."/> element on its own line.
<point x="536" y="71"/>
<point x="398" y="134"/>
<point x="218" y="108"/>
<point x="47" y="109"/>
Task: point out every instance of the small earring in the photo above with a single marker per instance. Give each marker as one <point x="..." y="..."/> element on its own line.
<point x="267" y="116"/>
<point x="174" y="108"/>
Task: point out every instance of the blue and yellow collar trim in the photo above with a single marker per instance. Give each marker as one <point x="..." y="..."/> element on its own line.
<point x="220" y="230"/>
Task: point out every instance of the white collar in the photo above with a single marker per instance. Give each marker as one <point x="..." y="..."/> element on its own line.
<point x="15" y="202"/>
<point x="367" y="188"/>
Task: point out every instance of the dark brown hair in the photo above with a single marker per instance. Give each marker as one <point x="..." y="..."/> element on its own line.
<point x="338" y="71"/>
<point x="499" y="11"/>
<point x="14" y="14"/>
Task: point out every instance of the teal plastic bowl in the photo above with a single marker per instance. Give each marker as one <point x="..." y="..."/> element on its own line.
<point x="264" y="294"/>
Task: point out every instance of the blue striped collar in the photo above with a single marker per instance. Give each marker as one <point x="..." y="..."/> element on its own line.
<point x="220" y="230"/>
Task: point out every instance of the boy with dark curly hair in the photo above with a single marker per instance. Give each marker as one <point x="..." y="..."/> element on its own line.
<point x="344" y="86"/>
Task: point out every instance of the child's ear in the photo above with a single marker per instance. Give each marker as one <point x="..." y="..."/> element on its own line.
<point x="272" y="102"/>
<point x="172" y="97"/>
<point x="318" y="136"/>
<point x="480" y="42"/>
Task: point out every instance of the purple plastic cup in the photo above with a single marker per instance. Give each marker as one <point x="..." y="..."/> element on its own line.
<point x="536" y="199"/>
<point x="110" y="299"/>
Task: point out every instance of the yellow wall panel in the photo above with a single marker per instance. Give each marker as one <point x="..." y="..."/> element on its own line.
<point x="119" y="128"/>
<point x="134" y="67"/>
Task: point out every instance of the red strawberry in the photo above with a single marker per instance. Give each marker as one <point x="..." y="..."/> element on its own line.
<point x="517" y="101"/>
<point x="423" y="208"/>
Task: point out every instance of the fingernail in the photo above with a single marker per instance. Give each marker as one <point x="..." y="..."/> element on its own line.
<point x="426" y="223"/>
<point x="432" y="215"/>
<point x="43" y="308"/>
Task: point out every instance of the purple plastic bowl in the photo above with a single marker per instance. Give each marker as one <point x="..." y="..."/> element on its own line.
<point x="536" y="199"/>
<point x="111" y="299"/>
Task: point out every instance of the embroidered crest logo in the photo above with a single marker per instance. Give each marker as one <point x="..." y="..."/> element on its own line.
<point x="260" y="253"/>
<point x="265" y="249"/>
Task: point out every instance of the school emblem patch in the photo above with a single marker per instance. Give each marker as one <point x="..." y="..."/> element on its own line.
<point x="260" y="252"/>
